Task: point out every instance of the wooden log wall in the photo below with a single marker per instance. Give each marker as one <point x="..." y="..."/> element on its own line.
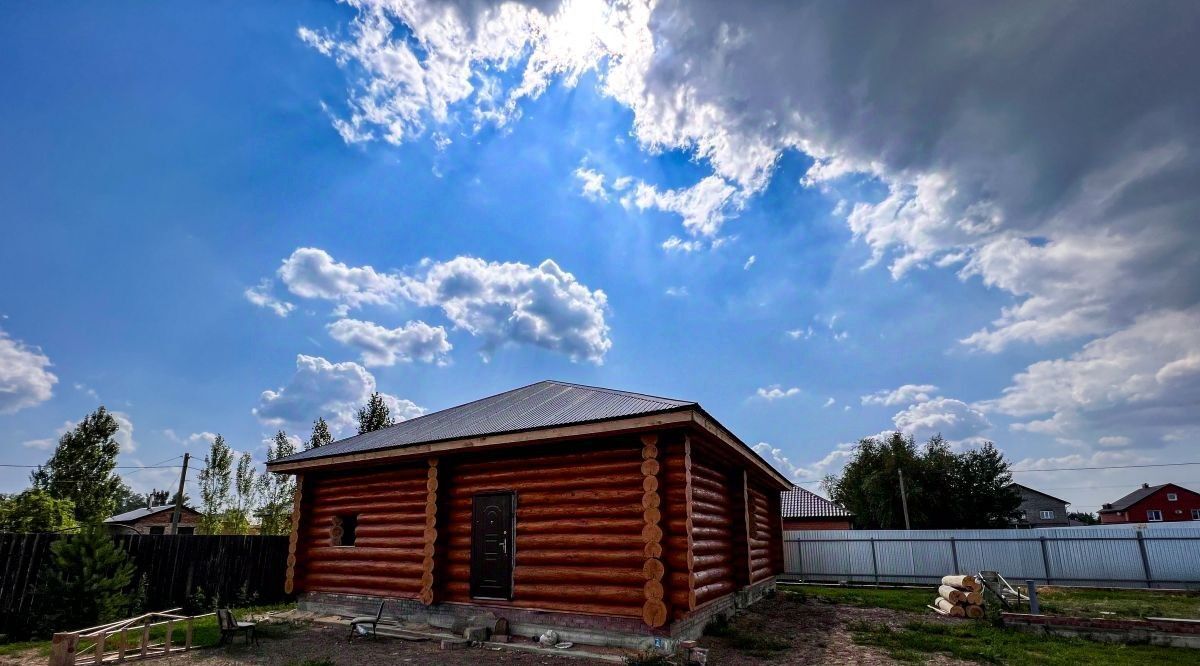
<point x="654" y="609"/>
<point x="677" y="517"/>
<point x="762" y="558"/>
<point x="581" y="523"/>
<point x="388" y="555"/>
<point x="713" y="529"/>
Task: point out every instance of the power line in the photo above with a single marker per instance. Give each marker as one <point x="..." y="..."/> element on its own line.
<point x="1080" y="469"/>
<point x="116" y="467"/>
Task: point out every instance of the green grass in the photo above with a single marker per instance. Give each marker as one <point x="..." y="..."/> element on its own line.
<point x="751" y="641"/>
<point x="205" y="633"/>
<point x="979" y="642"/>
<point x="1121" y="603"/>
<point x="1078" y="601"/>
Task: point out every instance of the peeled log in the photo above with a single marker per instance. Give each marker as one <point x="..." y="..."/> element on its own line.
<point x="525" y="574"/>
<point x="530" y="542"/>
<point x="706" y="593"/>
<point x="974" y="611"/>
<point x="325" y="582"/>
<point x="376" y="554"/>
<point x="543" y="498"/>
<point x="948" y="608"/>
<point x="965" y="582"/>
<point x="952" y="594"/>
<point x="390" y="570"/>
<point x="588" y="510"/>
<point x="607" y="593"/>
<point x="975" y="598"/>
<point x="654" y="613"/>
<point x="575" y="480"/>
<point x="609" y="525"/>
<point x="629" y="557"/>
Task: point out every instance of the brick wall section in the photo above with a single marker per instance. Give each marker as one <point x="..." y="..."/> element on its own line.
<point x="575" y="627"/>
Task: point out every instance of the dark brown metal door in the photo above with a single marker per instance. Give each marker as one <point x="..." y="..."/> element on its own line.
<point x="492" y="546"/>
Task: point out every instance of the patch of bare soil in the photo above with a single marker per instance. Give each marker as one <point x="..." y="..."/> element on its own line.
<point x="789" y="630"/>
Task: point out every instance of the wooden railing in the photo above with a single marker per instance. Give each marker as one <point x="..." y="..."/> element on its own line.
<point x="129" y="639"/>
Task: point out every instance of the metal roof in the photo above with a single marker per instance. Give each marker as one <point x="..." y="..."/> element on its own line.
<point x="138" y="514"/>
<point x="545" y="404"/>
<point x="801" y="503"/>
<point x="1035" y="491"/>
<point x="1134" y="497"/>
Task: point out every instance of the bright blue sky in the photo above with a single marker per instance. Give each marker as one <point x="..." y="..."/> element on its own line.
<point x="156" y="164"/>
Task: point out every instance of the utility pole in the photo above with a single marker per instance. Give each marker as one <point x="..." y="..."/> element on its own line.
<point x="183" y="477"/>
<point x="903" y="499"/>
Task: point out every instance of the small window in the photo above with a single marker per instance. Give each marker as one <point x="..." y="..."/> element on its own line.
<point x="342" y="533"/>
<point x="158" y="529"/>
<point x="187" y="530"/>
<point x="1047" y="515"/>
<point x="1171" y="497"/>
<point x="1154" y="515"/>
<point x="1195" y="514"/>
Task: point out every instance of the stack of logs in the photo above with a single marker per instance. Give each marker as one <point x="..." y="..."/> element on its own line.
<point x="959" y="596"/>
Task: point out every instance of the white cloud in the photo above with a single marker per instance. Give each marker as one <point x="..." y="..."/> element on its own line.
<point x="677" y="244"/>
<point x="909" y="393"/>
<point x="704" y="206"/>
<point x="776" y="392"/>
<point x="261" y="296"/>
<point x="43" y="444"/>
<point x="311" y="273"/>
<point x="24" y="378"/>
<point x="1114" y="442"/>
<point x="954" y="419"/>
<point x="204" y="438"/>
<point x="514" y="303"/>
<point x="830" y="463"/>
<point x="124" y="434"/>
<point x="1145" y="376"/>
<point x="323" y="389"/>
<point x="829" y="403"/>
<point x="676" y="292"/>
<point x="749" y="262"/>
<point x="592" y="184"/>
<point x="801" y="333"/>
<point x="415" y="341"/>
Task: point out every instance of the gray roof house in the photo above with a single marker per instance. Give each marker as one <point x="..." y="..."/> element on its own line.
<point x="803" y="509"/>
<point x="1039" y="509"/>
<point x="153" y="520"/>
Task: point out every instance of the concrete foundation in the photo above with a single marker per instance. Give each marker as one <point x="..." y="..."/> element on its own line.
<point x="605" y="630"/>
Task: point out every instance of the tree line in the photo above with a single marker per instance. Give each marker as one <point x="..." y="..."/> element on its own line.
<point x="79" y="484"/>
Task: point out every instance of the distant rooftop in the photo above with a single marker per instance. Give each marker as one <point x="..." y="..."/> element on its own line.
<point x="801" y="503"/>
<point x="138" y="514"/>
<point x="545" y="404"/>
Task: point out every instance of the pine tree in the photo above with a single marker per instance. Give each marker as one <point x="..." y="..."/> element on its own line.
<point x="277" y="490"/>
<point x="245" y="497"/>
<point x="86" y="581"/>
<point x="215" y="482"/>
<point x="375" y="415"/>
<point x="82" y="468"/>
<point x="320" y="434"/>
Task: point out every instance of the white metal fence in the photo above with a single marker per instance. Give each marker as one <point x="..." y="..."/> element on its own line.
<point x="1165" y="557"/>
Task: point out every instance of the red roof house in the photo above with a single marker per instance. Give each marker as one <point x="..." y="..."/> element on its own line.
<point x="1166" y="503"/>
<point x="804" y="510"/>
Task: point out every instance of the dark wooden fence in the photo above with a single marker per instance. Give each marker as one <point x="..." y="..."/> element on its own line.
<point x="229" y="568"/>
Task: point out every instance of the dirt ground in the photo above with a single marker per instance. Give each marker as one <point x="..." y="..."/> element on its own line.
<point x="815" y="633"/>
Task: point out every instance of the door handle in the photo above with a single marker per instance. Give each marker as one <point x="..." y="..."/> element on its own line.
<point x="504" y="546"/>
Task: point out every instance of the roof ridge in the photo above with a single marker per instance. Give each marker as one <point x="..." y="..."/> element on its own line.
<point x="619" y="392"/>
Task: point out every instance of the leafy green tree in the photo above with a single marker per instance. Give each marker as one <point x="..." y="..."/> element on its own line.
<point x="375" y="415"/>
<point x="244" y="499"/>
<point x="276" y="490"/>
<point x="215" y="482"/>
<point x="82" y="468"/>
<point x="87" y="581"/>
<point x="34" y="510"/>
<point x="1084" y="517"/>
<point x="320" y="434"/>
<point x="944" y="489"/>
<point x="127" y="500"/>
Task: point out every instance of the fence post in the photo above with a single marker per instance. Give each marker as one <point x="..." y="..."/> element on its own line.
<point x="874" y="562"/>
<point x="1145" y="559"/>
<point x="954" y="555"/>
<point x="1045" y="559"/>
<point x="1034" y="607"/>
<point x="62" y="649"/>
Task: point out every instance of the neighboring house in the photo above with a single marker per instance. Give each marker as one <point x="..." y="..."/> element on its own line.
<point x="805" y="510"/>
<point x="1040" y="510"/>
<point x="1166" y="503"/>
<point x="610" y="516"/>
<point x="154" y="520"/>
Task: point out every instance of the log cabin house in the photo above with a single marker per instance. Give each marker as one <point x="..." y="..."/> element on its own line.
<point x="612" y="517"/>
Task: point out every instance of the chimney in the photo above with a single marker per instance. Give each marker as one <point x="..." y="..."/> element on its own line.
<point x="1145" y="485"/>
